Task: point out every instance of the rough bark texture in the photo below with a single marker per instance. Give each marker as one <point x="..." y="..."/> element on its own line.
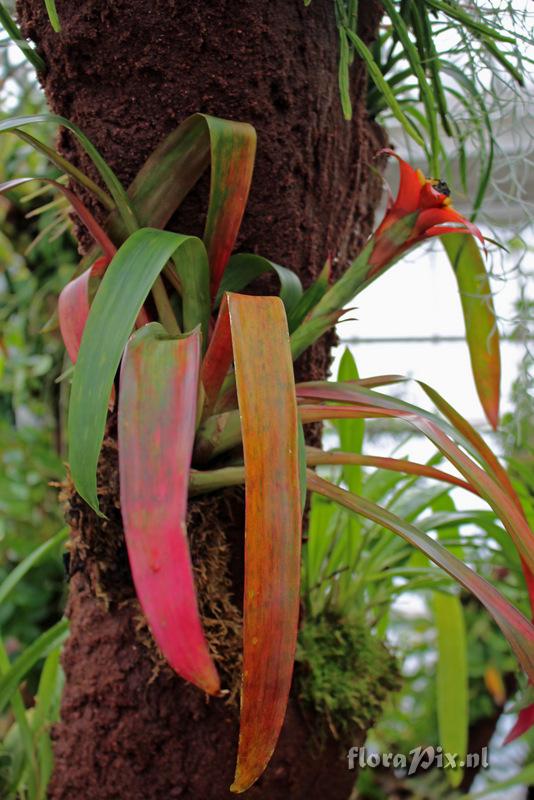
<point x="127" y="72"/>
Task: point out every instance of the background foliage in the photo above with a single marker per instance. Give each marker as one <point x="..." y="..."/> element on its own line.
<point x="429" y="72"/>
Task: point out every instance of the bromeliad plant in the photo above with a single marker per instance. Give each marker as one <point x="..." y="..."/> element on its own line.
<point x="211" y="377"/>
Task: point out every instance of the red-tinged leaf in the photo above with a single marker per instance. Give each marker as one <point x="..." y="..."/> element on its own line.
<point x="73" y="307"/>
<point x="175" y="166"/>
<point x="489" y="460"/>
<point x="359" y="394"/>
<point x="431" y="220"/>
<point x="318" y="413"/>
<point x="98" y="233"/>
<point x="218" y="358"/>
<point x="515" y="627"/>
<point x="465" y="433"/>
<point x="489" y="488"/>
<point x="269" y="422"/>
<point x="480" y="321"/>
<point x="73" y="311"/>
<point x="233" y="150"/>
<point x="478" y="443"/>
<point x="157" y="410"/>
<point x="525" y="721"/>
<point x="315" y="457"/>
<point x="375" y="380"/>
<point x="496" y="497"/>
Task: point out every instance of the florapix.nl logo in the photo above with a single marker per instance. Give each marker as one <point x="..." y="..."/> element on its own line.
<point x="420" y="758"/>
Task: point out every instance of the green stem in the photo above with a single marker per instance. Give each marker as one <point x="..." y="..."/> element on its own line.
<point x="211" y="480"/>
<point x="164" y="308"/>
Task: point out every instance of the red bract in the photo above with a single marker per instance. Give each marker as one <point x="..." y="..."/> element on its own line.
<point x="424" y="205"/>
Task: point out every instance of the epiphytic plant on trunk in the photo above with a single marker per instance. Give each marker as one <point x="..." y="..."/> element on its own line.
<point x="156" y="322"/>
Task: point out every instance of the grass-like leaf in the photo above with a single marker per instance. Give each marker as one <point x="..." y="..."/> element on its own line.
<point x="12" y="30"/>
<point x="315" y="457"/>
<point x="15" y="576"/>
<point x="48" y="640"/>
<point x="96" y="231"/>
<point x="515" y="627"/>
<point x="503" y="503"/>
<point x="115" y="188"/>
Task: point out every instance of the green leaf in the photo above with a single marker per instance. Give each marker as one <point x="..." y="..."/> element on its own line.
<point x="68" y="168"/>
<point x="50" y="639"/>
<point x="243" y="268"/>
<point x="24" y="730"/>
<point x="426" y="94"/>
<point x="49" y="691"/>
<point x="117" y="303"/>
<point x="382" y="85"/>
<point x="343" y="74"/>
<point x="351" y="433"/>
<point x="310" y="298"/>
<point x="480" y="320"/>
<point x="15" y="576"/>
<point x="451" y="680"/>
<point x="469" y="21"/>
<point x="17" y="38"/>
<point x="52" y="15"/>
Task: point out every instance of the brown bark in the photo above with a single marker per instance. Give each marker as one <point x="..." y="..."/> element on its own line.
<point x="127" y="72"/>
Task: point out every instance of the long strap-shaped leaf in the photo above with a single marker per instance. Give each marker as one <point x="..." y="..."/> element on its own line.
<point x="267" y="404"/>
<point x="177" y="164"/>
<point x="108" y="176"/>
<point x="488" y="488"/>
<point x="463" y="432"/>
<point x="115" y="308"/>
<point x="314" y="457"/>
<point x="168" y="176"/>
<point x="157" y="409"/>
<point x="233" y="149"/>
<point x="517" y="629"/>
<point x="480" y="321"/>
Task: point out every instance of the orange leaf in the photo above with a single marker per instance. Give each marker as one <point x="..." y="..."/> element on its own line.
<point x="269" y="422"/>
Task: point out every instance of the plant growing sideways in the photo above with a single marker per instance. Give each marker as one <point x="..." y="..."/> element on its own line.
<point x="207" y="398"/>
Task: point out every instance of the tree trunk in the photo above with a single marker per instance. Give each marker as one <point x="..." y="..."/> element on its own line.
<point x="127" y="72"/>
